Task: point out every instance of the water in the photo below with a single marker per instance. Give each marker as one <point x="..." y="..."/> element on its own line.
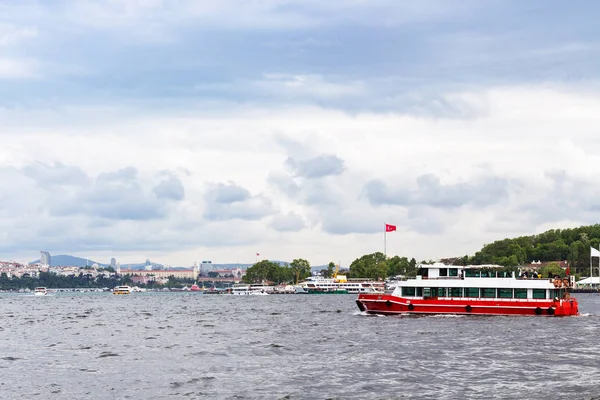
<point x="192" y="346"/>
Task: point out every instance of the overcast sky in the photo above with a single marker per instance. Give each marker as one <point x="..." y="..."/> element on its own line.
<point x="204" y="130"/>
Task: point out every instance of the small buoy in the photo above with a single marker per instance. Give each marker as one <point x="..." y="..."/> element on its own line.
<point x="388" y="303"/>
<point x="468" y="308"/>
<point x="411" y="307"/>
<point x="538" y="311"/>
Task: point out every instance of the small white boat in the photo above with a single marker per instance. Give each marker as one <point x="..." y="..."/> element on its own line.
<point x="40" y="291"/>
<point x="250" y="290"/>
<point x="122" y="290"/>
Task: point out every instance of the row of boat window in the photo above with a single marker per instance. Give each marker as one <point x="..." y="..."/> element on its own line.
<point x="469" y="273"/>
<point x="502" y="293"/>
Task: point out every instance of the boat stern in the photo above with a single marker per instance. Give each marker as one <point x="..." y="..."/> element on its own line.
<point x="566" y="307"/>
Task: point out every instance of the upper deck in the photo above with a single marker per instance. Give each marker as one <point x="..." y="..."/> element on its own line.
<point x="482" y="276"/>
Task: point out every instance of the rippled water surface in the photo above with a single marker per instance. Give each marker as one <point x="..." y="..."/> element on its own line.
<point x="194" y="346"/>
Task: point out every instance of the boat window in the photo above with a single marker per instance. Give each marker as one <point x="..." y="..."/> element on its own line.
<point x="455" y="292"/>
<point x="453" y="272"/>
<point x="471" y="273"/>
<point x="436" y="292"/>
<point x="556" y="293"/>
<point x="520" y="293"/>
<point x="426" y="292"/>
<point x="443" y="271"/>
<point x="471" y="292"/>
<point x="424" y="272"/>
<point x="419" y="291"/>
<point x="488" y="292"/>
<point x="408" y="291"/>
<point x="505" y="293"/>
<point x="539" y="293"/>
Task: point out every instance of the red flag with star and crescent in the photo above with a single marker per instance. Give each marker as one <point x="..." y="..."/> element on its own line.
<point x="390" y="228"/>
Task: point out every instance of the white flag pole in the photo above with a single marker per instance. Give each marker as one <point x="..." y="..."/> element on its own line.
<point x="385" y="240"/>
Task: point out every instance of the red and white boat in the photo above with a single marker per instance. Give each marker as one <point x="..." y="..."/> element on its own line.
<point x="473" y="290"/>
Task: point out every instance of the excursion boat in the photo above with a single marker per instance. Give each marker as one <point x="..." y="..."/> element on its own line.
<point x="339" y="284"/>
<point x="473" y="290"/>
<point x="40" y="291"/>
<point x="122" y="290"/>
<point x="250" y="290"/>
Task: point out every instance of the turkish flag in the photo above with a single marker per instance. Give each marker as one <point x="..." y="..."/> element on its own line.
<point x="390" y="228"/>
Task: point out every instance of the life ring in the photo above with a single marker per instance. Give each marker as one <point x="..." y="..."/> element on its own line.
<point x="557" y="283"/>
<point x="468" y="308"/>
<point x="538" y="311"/>
<point x="411" y="307"/>
<point x="550" y="311"/>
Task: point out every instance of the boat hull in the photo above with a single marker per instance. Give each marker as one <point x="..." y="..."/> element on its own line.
<point x="390" y="304"/>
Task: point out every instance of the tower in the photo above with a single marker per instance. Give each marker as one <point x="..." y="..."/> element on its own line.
<point x="196" y="270"/>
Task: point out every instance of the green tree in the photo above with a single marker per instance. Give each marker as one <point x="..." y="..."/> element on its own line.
<point x="369" y="266"/>
<point x="552" y="269"/>
<point x="301" y="269"/>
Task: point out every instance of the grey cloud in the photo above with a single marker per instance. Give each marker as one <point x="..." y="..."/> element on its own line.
<point x="228" y="193"/>
<point x="57" y="174"/>
<point x="431" y="192"/>
<point x="115" y="195"/>
<point x="317" y="167"/>
<point x="285" y="183"/>
<point x="230" y="201"/>
<point x="290" y="222"/>
<point x="170" y="188"/>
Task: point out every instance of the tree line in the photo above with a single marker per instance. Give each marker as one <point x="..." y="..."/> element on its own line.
<point x="571" y="245"/>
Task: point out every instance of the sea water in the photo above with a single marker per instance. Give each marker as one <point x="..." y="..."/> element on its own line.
<point x="194" y="346"/>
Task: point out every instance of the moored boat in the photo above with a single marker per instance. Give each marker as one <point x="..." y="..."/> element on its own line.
<point x="473" y="290"/>
<point x="252" y="290"/>
<point x="40" y="291"/>
<point x="122" y="290"/>
<point x="339" y="284"/>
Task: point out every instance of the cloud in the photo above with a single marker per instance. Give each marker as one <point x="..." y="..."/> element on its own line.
<point x="10" y="35"/>
<point x="431" y="192"/>
<point x="170" y="188"/>
<point x="17" y="68"/>
<point x="50" y="176"/>
<point x="290" y="222"/>
<point x="318" y="167"/>
<point x="230" y="201"/>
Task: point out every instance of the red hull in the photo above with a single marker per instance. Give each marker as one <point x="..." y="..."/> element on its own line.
<point x="389" y="304"/>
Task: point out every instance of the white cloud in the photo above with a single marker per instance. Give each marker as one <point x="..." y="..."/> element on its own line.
<point x="18" y="68"/>
<point x="10" y="35"/>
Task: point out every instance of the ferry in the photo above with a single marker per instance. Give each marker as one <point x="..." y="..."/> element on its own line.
<point x="122" y="290"/>
<point x="339" y="284"/>
<point x="473" y="290"/>
<point x="40" y="291"/>
<point x="253" y="290"/>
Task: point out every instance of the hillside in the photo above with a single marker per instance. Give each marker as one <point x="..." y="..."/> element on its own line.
<point x="572" y="245"/>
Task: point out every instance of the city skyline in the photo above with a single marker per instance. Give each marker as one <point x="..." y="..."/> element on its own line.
<point x="180" y="131"/>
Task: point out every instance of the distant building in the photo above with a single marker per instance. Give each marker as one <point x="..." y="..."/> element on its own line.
<point x="113" y="263"/>
<point x="45" y="258"/>
<point x="148" y="265"/>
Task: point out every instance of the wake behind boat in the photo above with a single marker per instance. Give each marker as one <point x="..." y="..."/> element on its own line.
<point x="473" y="290"/>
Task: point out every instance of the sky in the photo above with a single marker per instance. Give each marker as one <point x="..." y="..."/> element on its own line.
<point x="200" y="130"/>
